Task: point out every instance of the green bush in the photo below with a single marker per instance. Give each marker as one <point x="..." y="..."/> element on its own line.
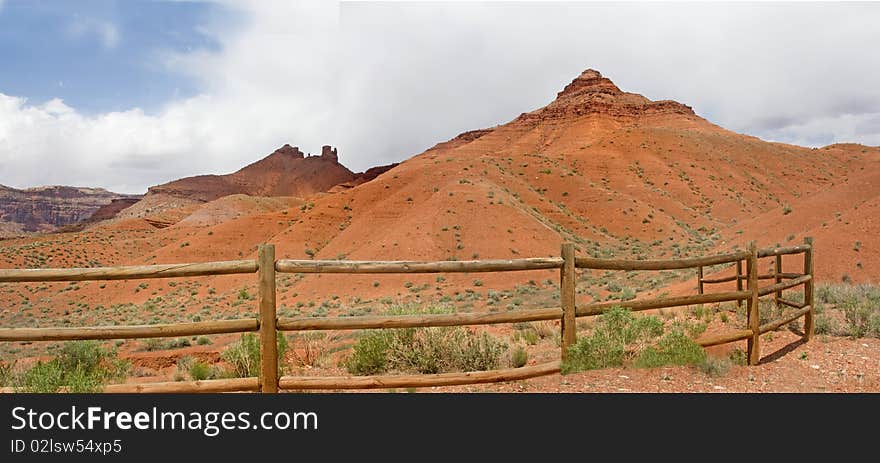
<point x="613" y="340"/>
<point x="423" y="350"/>
<point x="627" y="294"/>
<point x="519" y="357"/>
<point x="42" y="377"/>
<point x="860" y="305"/>
<point x="81" y="366"/>
<point x="200" y="370"/>
<point x="244" y="355"/>
<point x="196" y="369"/>
<point x="862" y="320"/>
<point x="674" y="348"/>
<point x="370" y="354"/>
<point x="621" y="338"/>
<point x="825" y="324"/>
<point x="154" y="344"/>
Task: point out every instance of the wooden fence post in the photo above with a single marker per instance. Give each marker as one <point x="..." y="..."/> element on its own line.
<point x="567" y="289"/>
<point x="739" y="281"/>
<point x="268" y="341"/>
<point x="809" y="326"/>
<point x="700" y="280"/>
<point x="777" y="270"/>
<point x="754" y="348"/>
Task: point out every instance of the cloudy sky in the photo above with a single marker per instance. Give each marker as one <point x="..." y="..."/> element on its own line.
<point x="124" y="95"/>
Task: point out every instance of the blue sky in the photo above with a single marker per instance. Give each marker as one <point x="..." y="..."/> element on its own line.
<point x="99" y="55"/>
<point x="128" y="94"/>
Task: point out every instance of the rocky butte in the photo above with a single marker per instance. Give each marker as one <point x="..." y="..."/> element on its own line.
<point x="590" y="92"/>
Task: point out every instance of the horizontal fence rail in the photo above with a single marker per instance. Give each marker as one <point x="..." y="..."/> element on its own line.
<point x="724" y="338"/>
<point x="434" y="380"/>
<point x="136" y="272"/>
<point x="208" y="385"/>
<point x="467" y="266"/>
<point x="416" y="321"/>
<point x="671" y="264"/>
<point x="129" y="331"/>
<point x="770" y="276"/>
<point x="649" y="304"/>
<point x="801" y="248"/>
<point x="267" y="324"/>
<point x="793" y="304"/>
<point x="785" y="285"/>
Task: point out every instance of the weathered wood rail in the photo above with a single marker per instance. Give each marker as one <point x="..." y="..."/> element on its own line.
<point x="267" y="324"/>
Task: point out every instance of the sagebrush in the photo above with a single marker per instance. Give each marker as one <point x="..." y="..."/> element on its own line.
<point x="622" y="338"/>
<point x="81" y="366"/>
<point x="423" y="350"/>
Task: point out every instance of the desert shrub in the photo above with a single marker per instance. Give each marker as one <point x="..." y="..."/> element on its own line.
<point x="622" y="338"/>
<point x="824" y="324"/>
<point x="42" y="377"/>
<point x="530" y="336"/>
<point x="719" y="366"/>
<point x="423" y="350"/>
<point x="617" y="335"/>
<point x="370" y="354"/>
<point x="674" y="348"/>
<point x="310" y="349"/>
<point x="476" y="352"/>
<point x="738" y="356"/>
<point x="860" y="305"/>
<point x="81" y="366"/>
<point x="199" y="370"/>
<point x="195" y="369"/>
<point x="154" y="344"/>
<point x="243" y="356"/>
<point x="519" y="357"/>
<point x="714" y="366"/>
<point x="862" y="320"/>
<point x="627" y="294"/>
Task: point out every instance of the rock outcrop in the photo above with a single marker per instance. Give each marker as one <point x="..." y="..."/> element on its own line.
<point x="329" y="153"/>
<point x="363" y="177"/>
<point x="46" y="209"/>
<point x="591" y="93"/>
<point x="105" y="212"/>
<point x="287" y="150"/>
<point x="285" y="172"/>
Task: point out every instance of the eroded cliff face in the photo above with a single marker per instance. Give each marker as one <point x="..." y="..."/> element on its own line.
<point x="591" y="93"/>
<point x="46" y="209"/>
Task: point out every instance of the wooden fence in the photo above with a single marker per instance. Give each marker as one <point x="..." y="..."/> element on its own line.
<point x="267" y="324"/>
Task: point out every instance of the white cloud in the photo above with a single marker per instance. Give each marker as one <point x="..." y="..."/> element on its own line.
<point x="384" y="81"/>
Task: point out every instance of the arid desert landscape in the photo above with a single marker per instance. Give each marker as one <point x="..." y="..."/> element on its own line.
<point x="616" y="174"/>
